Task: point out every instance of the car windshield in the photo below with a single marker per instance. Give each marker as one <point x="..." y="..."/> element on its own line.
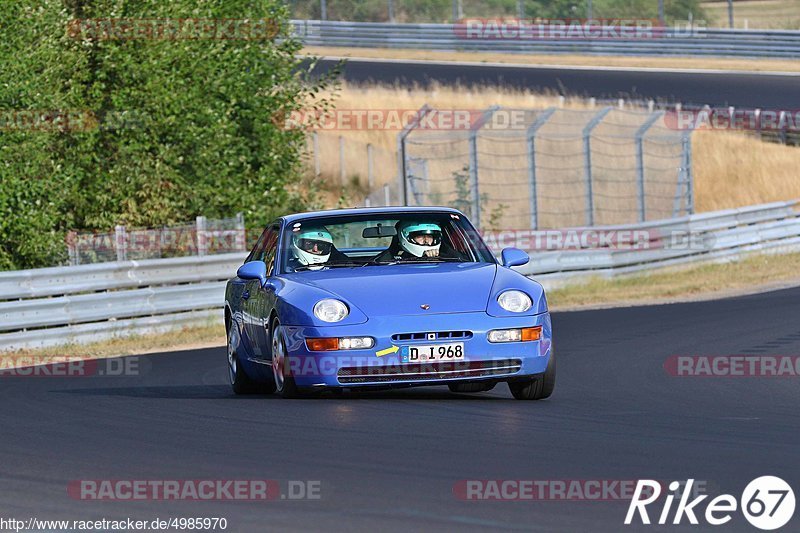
<point x="355" y="241"/>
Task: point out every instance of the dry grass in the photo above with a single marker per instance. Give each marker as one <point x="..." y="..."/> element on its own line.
<point x="759" y="14"/>
<point x="185" y="339"/>
<point x="710" y="280"/>
<point x="731" y="169"/>
<point x="760" y="65"/>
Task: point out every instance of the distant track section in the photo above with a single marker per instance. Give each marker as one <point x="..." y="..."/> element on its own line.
<point x="715" y="88"/>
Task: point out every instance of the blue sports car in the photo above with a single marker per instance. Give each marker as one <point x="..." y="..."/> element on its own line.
<point x="385" y="297"/>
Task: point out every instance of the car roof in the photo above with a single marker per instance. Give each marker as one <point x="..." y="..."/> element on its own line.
<point x="369" y="211"/>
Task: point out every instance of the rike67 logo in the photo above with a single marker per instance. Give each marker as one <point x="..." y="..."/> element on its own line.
<point x="767" y="503"/>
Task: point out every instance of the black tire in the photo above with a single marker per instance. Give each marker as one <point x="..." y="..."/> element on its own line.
<point x="537" y="388"/>
<point x="281" y="375"/>
<point x="240" y="382"/>
<point x="473" y="386"/>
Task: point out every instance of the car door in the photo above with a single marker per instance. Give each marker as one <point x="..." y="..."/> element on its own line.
<point x="262" y="299"/>
<point x="251" y="320"/>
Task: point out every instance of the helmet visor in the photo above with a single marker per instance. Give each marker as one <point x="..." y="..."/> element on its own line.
<point x="425" y="237"/>
<point x="314" y="246"/>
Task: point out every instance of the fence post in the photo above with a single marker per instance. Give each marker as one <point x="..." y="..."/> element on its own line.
<point x="640" y="133"/>
<point x="783" y="125"/>
<point x="341" y="161"/>
<point x="316" y="155"/>
<point x="687" y="154"/>
<point x="475" y="214"/>
<point x="587" y="162"/>
<point x="684" y="187"/>
<point x="241" y="236"/>
<point x="531" y="135"/>
<point x="202" y="243"/>
<point x="72" y="248"/>
<point x="370" y="177"/>
<point x="401" y="153"/>
<point x="121" y="243"/>
<point x="758" y="122"/>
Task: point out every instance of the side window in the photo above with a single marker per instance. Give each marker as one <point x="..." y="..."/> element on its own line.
<point x="456" y="241"/>
<point x="270" y="247"/>
<point x="258" y="250"/>
<point x="258" y="247"/>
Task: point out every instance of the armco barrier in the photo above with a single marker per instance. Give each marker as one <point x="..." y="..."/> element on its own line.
<point x="448" y="37"/>
<point x="65" y="305"/>
<point x="54" y="306"/>
<point x="717" y="236"/>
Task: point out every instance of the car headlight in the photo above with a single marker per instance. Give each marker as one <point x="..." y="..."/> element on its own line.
<point x="514" y="301"/>
<point x="330" y="310"/>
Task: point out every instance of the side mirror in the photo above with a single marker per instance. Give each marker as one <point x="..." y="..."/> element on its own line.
<point x="253" y="270"/>
<point x="513" y="257"/>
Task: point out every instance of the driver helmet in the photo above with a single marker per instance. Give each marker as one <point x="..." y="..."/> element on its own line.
<point x="312" y="246"/>
<point x="417" y="238"/>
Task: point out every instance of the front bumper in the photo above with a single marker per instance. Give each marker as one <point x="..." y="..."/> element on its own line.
<point x="483" y="360"/>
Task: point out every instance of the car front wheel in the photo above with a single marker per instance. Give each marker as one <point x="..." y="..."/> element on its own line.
<point x="240" y="382"/>
<point x="537" y="388"/>
<point x="284" y="382"/>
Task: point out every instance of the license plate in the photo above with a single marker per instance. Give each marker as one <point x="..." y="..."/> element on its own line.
<point x="426" y="353"/>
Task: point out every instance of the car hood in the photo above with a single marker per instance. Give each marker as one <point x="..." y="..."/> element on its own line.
<point x="404" y="289"/>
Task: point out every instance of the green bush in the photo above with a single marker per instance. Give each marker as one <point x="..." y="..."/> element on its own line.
<point x="176" y="128"/>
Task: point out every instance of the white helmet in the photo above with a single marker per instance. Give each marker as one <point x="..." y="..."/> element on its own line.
<point x="312" y="246"/>
<point x="417" y="238"/>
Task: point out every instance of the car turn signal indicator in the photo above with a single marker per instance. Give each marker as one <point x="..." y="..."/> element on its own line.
<point x="323" y="345"/>
<point x="515" y="335"/>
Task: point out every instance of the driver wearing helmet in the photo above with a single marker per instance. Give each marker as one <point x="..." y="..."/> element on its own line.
<point x="419" y="239"/>
<point x="311" y="247"/>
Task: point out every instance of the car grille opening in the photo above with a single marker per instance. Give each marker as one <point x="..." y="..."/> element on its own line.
<point x="428" y="371"/>
<point x="432" y="336"/>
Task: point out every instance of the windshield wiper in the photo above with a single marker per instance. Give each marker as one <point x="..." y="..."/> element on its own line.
<point x="420" y="261"/>
<point x="345" y="265"/>
<point x="323" y="266"/>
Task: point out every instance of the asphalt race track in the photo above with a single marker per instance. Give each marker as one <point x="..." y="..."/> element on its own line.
<point x="712" y="88"/>
<point x="389" y="460"/>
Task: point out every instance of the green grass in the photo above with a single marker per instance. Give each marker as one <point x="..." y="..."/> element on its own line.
<point x="706" y="280"/>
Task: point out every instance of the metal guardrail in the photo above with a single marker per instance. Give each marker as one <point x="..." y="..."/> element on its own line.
<point x="664" y="42"/>
<point x="63" y="305"/>
<point x="85" y="303"/>
<point x="95" y="277"/>
<point x="716" y="236"/>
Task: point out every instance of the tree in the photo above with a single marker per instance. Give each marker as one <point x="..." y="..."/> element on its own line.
<point x="163" y="128"/>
